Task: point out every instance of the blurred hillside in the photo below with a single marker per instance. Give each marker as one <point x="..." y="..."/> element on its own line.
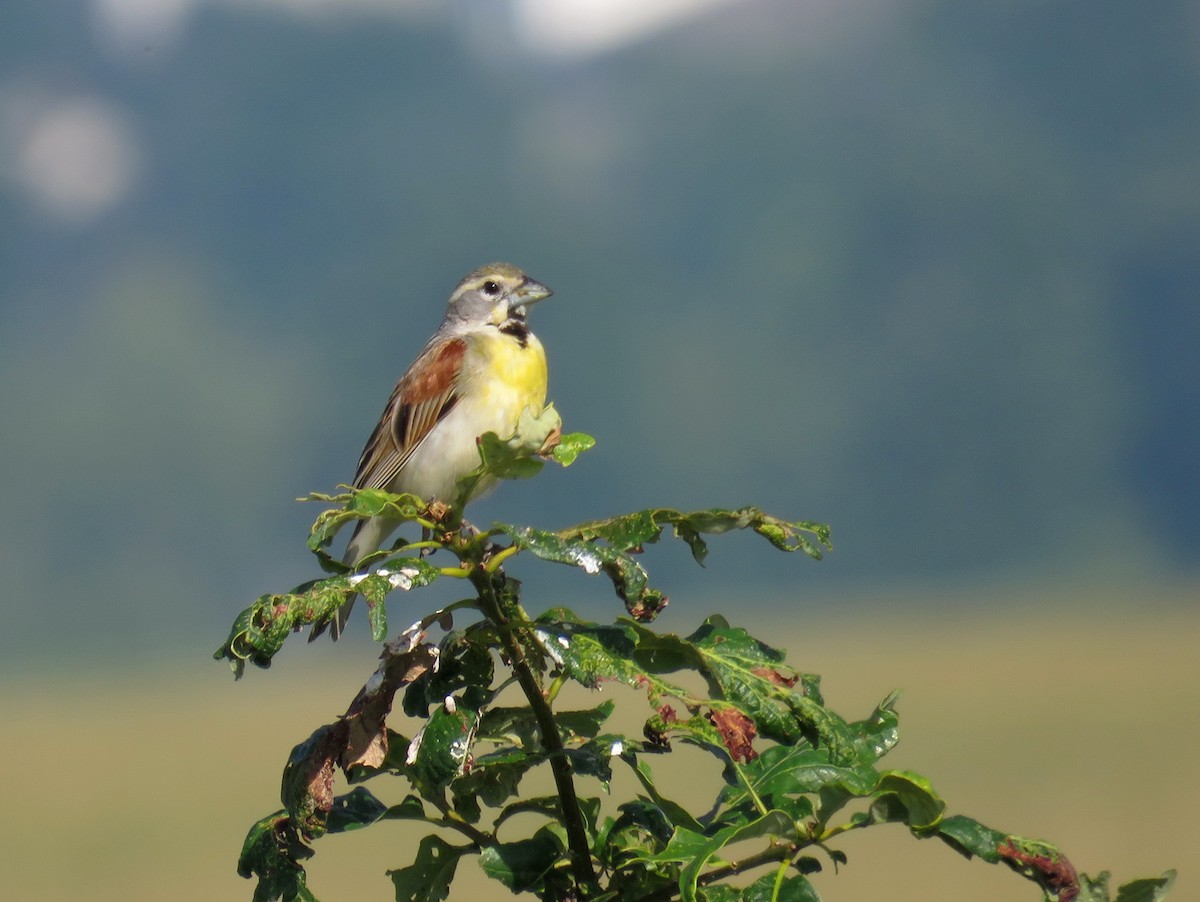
<point x="923" y="270"/>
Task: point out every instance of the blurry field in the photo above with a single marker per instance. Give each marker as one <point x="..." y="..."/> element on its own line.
<point x="1080" y="727"/>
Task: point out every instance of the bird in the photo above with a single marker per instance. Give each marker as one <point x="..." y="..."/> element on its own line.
<point x="481" y="369"/>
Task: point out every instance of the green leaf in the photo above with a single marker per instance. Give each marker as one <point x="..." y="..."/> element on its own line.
<point x="1147" y="889"/>
<point x="592" y="654"/>
<point x="1040" y="862"/>
<point x="504" y="723"/>
<point x="359" y="808"/>
<point x="630" y="531"/>
<point x="644" y="819"/>
<point x="1094" y="889"/>
<point x="353" y="506"/>
<point x="354" y="810"/>
<point x="493" y="779"/>
<point x="521" y="865"/>
<point x="910" y="799"/>
<point x="627" y="532"/>
<point x="428" y="878"/>
<point x="594" y="758"/>
<point x="513" y="457"/>
<point x="550" y="807"/>
<point x="439" y="752"/>
<point x="260" y="630"/>
<point x="570" y="446"/>
<point x="777" y="887"/>
<point x="272" y="851"/>
<point x="782" y="776"/>
<point x="880" y="732"/>
<point x="520" y="724"/>
<point x="583" y="724"/>
<point x="465" y="665"/>
<point x="752" y="675"/>
<point x="694" y="851"/>
<point x="411" y="809"/>
<point x="969" y="837"/>
<point x="718" y="892"/>
<point x="628" y="577"/>
<point x="606" y="545"/>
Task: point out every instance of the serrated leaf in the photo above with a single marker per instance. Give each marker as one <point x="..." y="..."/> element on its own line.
<point x="260" y="630"/>
<point x="592" y="654"/>
<point x="504" y="723"/>
<point x="737" y="732"/>
<point x="355" y="505"/>
<point x="428" y="878"/>
<point x="632" y="530"/>
<point x="1094" y="889"/>
<point x="367" y="739"/>
<point x="628" y="577"/>
<point x="647" y="820"/>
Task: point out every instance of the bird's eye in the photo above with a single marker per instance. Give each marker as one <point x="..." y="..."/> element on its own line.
<point x="491" y="289"/>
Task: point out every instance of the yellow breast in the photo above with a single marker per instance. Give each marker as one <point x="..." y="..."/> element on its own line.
<point x="507" y="377"/>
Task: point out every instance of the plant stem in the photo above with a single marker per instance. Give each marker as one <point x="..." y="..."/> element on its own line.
<point x="555" y="687"/>
<point x="500" y="557"/>
<point x="834" y="831"/>
<point x="782" y="853"/>
<point x="451" y="819"/>
<point x="560" y="765"/>
<point x="748" y="785"/>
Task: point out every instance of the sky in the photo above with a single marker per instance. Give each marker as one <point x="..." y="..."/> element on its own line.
<point x="924" y="272"/>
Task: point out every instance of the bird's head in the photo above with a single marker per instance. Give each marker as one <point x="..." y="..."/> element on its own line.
<point x="495" y="294"/>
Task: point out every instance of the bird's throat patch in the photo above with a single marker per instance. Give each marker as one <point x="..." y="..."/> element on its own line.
<point x="518" y="329"/>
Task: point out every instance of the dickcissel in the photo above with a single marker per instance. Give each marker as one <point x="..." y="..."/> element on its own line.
<point x="481" y="369"/>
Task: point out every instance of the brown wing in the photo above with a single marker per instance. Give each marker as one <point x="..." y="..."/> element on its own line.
<point x="425" y="394"/>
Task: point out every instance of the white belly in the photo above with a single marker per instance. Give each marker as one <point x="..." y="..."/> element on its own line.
<point x="491" y="399"/>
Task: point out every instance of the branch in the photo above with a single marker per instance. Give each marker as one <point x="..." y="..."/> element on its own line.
<point x="560" y="765"/>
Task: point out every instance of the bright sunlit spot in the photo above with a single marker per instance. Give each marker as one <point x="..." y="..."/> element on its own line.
<point x="587" y="27"/>
<point x="76" y="158"/>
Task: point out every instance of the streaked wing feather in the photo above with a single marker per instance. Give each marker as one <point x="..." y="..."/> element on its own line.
<point x="425" y="394"/>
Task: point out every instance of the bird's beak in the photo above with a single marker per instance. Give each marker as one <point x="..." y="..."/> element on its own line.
<point x="530" y="292"/>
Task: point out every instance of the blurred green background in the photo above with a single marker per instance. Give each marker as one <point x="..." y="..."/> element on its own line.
<point x="927" y="271"/>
